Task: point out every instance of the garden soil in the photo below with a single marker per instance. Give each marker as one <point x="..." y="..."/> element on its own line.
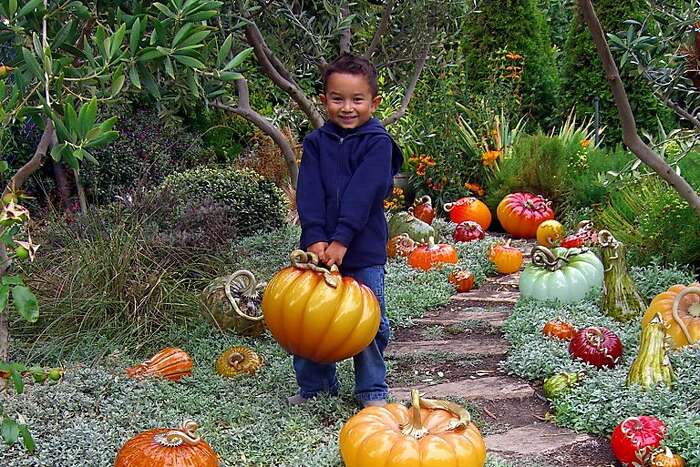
<point x="455" y="352"/>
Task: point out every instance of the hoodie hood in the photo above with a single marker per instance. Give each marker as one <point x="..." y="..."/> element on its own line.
<point x="371" y="127"/>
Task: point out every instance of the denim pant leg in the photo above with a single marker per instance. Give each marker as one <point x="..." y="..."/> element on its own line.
<point x="313" y="378"/>
<point x="370" y="368"/>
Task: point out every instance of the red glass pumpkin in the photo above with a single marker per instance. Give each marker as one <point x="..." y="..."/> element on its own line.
<point x="521" y="213"/>
<point x="559" y="330"/>
<point x="469" y="209"/>
<point x="462" y="280"/>
<point x="423" y="209"/>
<point x="431" y="255"/>
<point x="468" y="231"/>
<point x="584" y="236"/>
<point x="163" y="447"/>
<point x="596" y="345"/>
<point x="635" y="439"/>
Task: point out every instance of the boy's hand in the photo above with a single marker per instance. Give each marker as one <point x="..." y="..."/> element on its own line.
<point x="335" y="254"/>
<point x="319" y="249"/>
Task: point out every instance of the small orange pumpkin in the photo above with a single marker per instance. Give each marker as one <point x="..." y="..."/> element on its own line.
<point x="431" y="255"/>
<point x="163" y="447"/>
<point x="238" y="360"/>
<point x="462" y="280"/>
<point x="318" y="314"/>
<point x="469" y="209"/>
<point x="679" y="307"/>
<point x="559" y="330"/>
<point x="665" y="458"/>
<point x="170" y="363"/>
<point x="429" y="433"/>
<point x="423" y="209"/>
<point x="401" y="245"/>
<point x="506" y="258"/>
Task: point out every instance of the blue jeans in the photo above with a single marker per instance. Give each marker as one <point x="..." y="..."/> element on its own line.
<point x="370" y="368"/>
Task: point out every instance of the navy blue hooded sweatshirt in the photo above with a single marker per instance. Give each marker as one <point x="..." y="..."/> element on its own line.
<point x="343" y="180"/>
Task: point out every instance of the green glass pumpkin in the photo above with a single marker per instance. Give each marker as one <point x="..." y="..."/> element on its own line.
<point x="622" y="301"/>
<point x="565" y="274"/>
<point x="559" y="384"/>
<point x="233" y="302"/>
<point x="652" y="365"/>
<point x="416" y="229"/>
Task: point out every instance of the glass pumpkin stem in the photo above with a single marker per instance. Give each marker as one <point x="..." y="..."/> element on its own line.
<point x="425" y="199"/>
<point x="693" y="310"/>
<point x="306" y="260"/>
<point x="244" y="282"/>
<point x="543" y="257"/>
<point x="415" y="427"/>
<point x="185" y="435"/>
<point x="236" y="359"/>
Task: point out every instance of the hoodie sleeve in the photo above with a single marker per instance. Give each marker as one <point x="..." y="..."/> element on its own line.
<point x="310" y="197"/>
<point x="370" y="181"/>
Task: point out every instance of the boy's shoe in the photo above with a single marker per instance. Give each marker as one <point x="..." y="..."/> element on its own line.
<point x="296" y="399"/>
<point x="377" y="403"/>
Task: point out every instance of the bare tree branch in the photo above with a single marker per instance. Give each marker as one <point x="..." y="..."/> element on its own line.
<point x="263" y="53"/>
<point x="629" y="127"/>
<point x="244" y="110"/>
<point x="381" y="29"/>
<point x="393" y="118"/>
<point x="346" y="35"/>
<point x="34" y="163"/>
<point x="680" y="111"/>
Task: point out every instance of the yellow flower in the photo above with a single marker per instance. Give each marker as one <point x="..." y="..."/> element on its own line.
<point x="585" y="143"/>
<point x="490" y="157"/>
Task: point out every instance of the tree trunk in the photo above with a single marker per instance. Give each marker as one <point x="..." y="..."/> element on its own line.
<point x="629" y="127"/>
<point x="81" y="192"/>
<point x="62" y="186"/>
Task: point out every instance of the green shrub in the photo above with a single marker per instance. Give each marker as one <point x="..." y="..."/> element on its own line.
<point x="516" y="26"/>
<point x="258" y="204"/>
<point x="146" y="151"/>
<point x="649" y="216"/>
<point x="583" y="77"/>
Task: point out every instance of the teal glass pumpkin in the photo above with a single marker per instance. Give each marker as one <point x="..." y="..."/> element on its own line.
<point x="566" y="274"/>
<point x="416" y="229"/>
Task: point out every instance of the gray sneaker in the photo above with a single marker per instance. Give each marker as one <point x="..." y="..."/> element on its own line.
<point x="296" y="399"/>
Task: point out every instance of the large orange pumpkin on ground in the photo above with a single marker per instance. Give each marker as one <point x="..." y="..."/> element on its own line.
<point x="469" y="209"/>
<point x="318" y="314"/>
<point x="170" y="363"/>
<point x="430" y="433"/>
<point x="679" y="308"/>
<point x="521" y="213"/>
<point x="164" y="447"/>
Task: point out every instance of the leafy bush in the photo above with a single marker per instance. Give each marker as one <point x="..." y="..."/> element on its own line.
<point x="258" y="204"/>
<point x="518" y="27"/>
<point x="649" y="216"/>
<point x="583" y="77"/>
<point x="145" y="153"/>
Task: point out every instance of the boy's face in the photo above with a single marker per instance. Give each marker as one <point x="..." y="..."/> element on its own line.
<point x="348" y="100"/>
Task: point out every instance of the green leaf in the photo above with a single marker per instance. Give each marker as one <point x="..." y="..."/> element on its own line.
<point x="134" y="77"/>
<point x="238" y="59"/>
<point x="87" y="116"/>
<point x="12" y="279"/>
<point x="56" y="151"/>
<point x="104" y="138"/>
<point x="4" y="296"/>
<point x="224" y="50"/>
<point x="149" y="54"/>
<point x="169" y="67"/>
<point x="32" y="64"/>
<point x="150" y="84"/>
<point x="229" y="76"/>
<point x="108" y="124"/>
<point x="89" y="157"/>
<point x="164" y="9"/>
<point x="71" y="117"/>
<point x="69" y="159"/>
<point x="30" y="6"/>
<point x="10" y="430"/>
<point x="202" y="16"/>
<point x="61" y="130"/>
<point x="16" y="375"/>
<point x="27" y="439"/>
<point x="135" y="36"/>
<point x="12" y="8"/>
<point x="25" y="303"/>
<point x="4" y="166"/>
<point x="195" y="38"/>
<point x="181" y="34"/>
<point x="117" y="39"/>
<point x="189" y="61"/>
<point x="117" y="84"/>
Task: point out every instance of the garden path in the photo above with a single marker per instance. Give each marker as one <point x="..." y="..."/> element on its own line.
<point x="455" y="352"/>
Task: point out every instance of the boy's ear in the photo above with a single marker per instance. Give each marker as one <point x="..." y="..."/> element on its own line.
<point x="323" y="98"/>
<point x="376" y="100"/>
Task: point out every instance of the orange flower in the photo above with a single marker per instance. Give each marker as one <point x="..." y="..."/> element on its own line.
<point x="513" y="56"/>
<point x="420" y="170"/>
<point x="398" y="191"/>
<point x="490" y="157"/>
<point x="585" y="143"/>
<point x="474" y="188"/>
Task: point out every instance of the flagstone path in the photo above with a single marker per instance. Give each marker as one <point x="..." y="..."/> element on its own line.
<point x="455" y="352"/>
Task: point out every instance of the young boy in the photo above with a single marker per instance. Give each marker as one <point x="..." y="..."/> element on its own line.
<point x="346" y="172"/>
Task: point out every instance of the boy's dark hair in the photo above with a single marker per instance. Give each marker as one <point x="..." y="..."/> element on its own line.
<point x="352" y="65"/>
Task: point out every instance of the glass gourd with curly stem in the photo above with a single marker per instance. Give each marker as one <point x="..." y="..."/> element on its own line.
<point x="622" y="301"/>
<point x="651" y="366"/>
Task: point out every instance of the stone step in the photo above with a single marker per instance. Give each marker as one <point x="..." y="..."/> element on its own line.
<point x="534" y="439"/>
<point x="492" y="388"/>
<point x="465" y="347"/>
<point x="493" y="318"/>
<point x="505" y="297"/>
